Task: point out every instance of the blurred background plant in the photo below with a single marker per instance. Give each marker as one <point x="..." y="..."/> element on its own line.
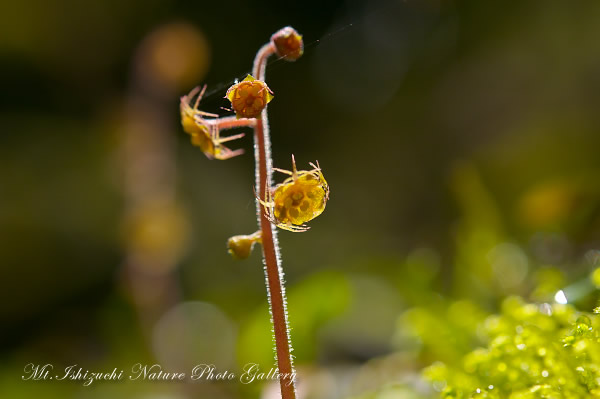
<point x="461" y="139"/>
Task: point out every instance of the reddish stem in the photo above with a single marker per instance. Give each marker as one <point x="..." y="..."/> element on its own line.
<point x="273" y="270"/>
<point x="230" y="122"/>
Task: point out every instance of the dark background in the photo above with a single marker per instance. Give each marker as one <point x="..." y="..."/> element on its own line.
<point x="460" y="140"/>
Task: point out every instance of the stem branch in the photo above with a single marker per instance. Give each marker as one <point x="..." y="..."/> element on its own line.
<point x="231" y="122"/>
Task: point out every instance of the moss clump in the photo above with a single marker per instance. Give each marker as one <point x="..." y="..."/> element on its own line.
<point x="533" y="351"/>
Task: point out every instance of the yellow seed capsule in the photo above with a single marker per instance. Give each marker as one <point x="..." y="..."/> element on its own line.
<point x="249" y="97"/>
<point x="241" y="246"/>
<point x="299" y="199"/>
<point x="205" y="132"/>
<point x="288" y="43"/>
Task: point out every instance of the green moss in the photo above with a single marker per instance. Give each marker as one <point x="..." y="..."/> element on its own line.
<point x="531" y="351"/>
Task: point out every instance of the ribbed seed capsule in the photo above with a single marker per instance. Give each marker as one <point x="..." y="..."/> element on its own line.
<point x="298" y="199"/>
<point x="249" y="97"/>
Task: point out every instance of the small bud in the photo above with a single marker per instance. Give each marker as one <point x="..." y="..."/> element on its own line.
<point x="241" y="246"/>
<point x="288" y="43"/>
<point x="249" y="97"/>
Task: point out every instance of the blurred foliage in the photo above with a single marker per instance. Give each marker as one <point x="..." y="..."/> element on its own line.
<point x="315" y="301"/>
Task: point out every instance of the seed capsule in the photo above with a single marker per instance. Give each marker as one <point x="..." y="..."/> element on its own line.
<point x="205" y="132"/>
<point x="241" y="246"/>
<point x="249" y="97"/>
<point x="299" y="199"/>
<point x="288" y="43"/>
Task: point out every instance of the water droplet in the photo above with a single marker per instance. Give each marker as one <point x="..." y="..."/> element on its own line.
<point x="519" y="329"/>
<point x="546" y="309"/>
<point x="541" y="351"/>
<point x="584" y="321"/>
<point x="560" y="297"/>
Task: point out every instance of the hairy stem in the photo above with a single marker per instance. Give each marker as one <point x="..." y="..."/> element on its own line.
<point x="272" y="259"/>
<point x="231" y="122"/>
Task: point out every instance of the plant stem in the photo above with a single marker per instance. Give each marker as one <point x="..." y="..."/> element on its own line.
<point x="230" y="122"/>
<point x="272" y="258"/>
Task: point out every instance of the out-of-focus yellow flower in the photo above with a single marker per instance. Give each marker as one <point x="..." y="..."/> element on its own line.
<point x="174" y="56"/>
<point x="299" y="199"/>
<point x="249" y="97"/>
<point x="156" y="233"/>
<point x="547" y="204"/>
<point x="288" y="43"/>
<point x="205" y="132"/>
